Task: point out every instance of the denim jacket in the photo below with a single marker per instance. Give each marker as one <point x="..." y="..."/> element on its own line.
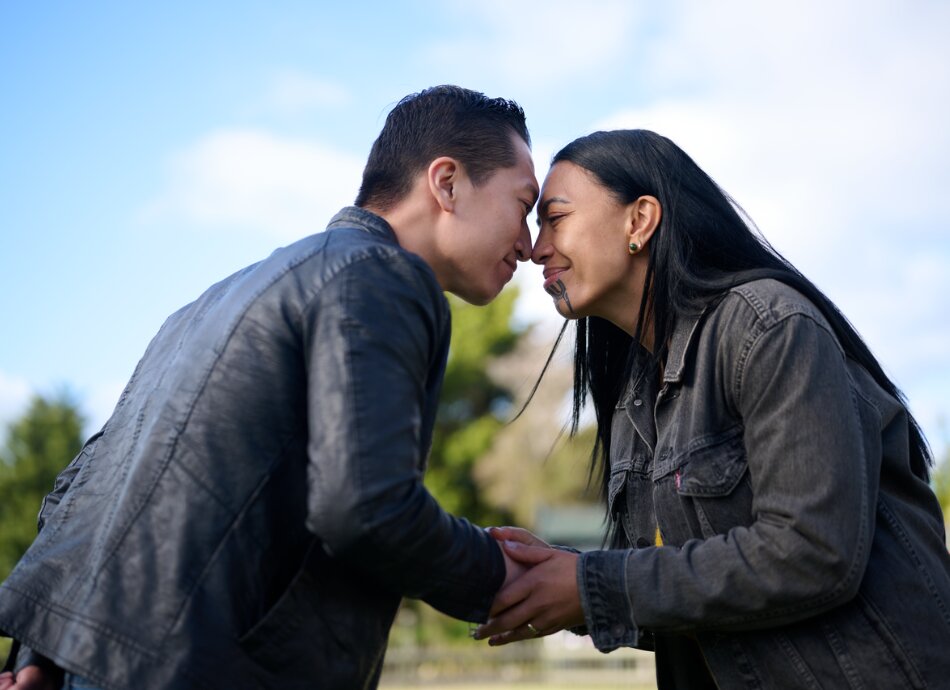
<point x="772" y="520"/>
<point x="252" y="512"/>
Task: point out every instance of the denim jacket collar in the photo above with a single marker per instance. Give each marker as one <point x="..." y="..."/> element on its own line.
<point x="684" y="332"/>
<point x="354" y="216"/>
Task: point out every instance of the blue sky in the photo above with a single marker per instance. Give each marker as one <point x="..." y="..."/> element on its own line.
<point x="149" y="149"/>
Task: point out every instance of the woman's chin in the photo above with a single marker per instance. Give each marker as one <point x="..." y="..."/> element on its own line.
<point x="564" y="310"/>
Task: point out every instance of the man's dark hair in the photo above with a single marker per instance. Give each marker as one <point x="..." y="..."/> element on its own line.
<point x="440" y="121"/>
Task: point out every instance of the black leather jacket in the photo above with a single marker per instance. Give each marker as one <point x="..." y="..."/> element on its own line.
<point x="252" y="512"/>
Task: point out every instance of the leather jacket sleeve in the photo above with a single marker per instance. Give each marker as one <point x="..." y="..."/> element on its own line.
<point x="377" y="340"/>
<point x="21" y="655"/>
<point x="64" y="480"/>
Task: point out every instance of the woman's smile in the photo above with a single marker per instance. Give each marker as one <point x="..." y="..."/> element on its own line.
<point x="551" y="275"/>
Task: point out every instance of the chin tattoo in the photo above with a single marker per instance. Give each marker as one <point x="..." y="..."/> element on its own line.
<point x="558" y="291"/>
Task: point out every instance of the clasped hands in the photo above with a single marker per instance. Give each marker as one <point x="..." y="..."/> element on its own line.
<point x="32" y="678"/>
<point x="540" y="594"/>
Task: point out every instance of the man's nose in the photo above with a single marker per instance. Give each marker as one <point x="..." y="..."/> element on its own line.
<point x="523" y="245"/>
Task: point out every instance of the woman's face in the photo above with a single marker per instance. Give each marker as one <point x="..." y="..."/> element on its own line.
<point x="583" y="245"/>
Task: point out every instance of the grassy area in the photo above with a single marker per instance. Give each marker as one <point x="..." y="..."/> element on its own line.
<point x="590" y="682"/>
<point x="503" y="685"/>
<point x="559" y="662"/>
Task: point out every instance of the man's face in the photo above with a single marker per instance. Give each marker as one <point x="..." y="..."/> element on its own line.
<point x="490" y="233"/>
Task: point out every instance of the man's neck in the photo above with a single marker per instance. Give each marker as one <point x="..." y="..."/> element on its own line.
<point x="414" y="227"/>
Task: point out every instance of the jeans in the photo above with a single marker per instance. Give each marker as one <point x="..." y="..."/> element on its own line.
<point x="74" y="682"/>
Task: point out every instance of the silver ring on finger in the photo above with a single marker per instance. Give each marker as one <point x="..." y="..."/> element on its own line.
<point x="533" y="630"/>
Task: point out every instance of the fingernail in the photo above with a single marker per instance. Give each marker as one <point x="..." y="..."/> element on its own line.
<point x="512" y="544"/>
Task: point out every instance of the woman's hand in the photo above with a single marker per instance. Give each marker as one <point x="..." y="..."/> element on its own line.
<point x="31" y="678"/>
<point x="546" y="596"/>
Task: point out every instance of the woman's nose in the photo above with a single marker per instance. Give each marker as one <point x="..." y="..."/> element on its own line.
<point x="542" y="249"/>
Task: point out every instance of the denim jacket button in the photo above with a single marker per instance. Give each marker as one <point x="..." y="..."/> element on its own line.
<point x="637" y="402"/>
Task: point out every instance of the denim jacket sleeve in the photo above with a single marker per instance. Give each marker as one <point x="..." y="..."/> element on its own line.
<point x="813" y="449"/>
<point x="377" y="342"/>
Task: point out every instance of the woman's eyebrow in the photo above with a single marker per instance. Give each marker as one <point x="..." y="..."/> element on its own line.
<point x="551" y="200"/>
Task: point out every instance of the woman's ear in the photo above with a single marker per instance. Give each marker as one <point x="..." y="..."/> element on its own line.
<point x="443" y="176"/>
<point x="643" y="218"/>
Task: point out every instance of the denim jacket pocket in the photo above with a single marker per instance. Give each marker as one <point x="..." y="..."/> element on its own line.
<point x="714" y="467"/>
<point x="619" y="469"/>
<point x="705" y="491"/>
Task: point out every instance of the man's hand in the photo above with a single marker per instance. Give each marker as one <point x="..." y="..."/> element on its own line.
<point x="513" y="569"/>
<point x="518" y="534"/>
<point x="32" y="678"/>
<point x="542" y="601"/>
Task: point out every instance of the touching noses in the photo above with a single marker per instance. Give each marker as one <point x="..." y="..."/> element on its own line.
<point x="523" y="244"/>
<point x="542" y="248"/>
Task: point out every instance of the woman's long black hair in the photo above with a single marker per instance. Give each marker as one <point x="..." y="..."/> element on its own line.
<point x="703" y="246"/>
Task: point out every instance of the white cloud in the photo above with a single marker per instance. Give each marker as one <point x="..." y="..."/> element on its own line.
<point x="95" y="403"/>
<point x="278" y="186"/>
<point x="827" y="122"/>
<point x="834" y="141"/>
<point x="98" y="403"/>
<point x="847" y="100"/>
<point x="534" y="43"/>
<point x="295" y="93"/>
<point x="14" y="395"/>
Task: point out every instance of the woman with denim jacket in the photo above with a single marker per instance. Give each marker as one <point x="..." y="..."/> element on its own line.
<point x="771" y="521"/>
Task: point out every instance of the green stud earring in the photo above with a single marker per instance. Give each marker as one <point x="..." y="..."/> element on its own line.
<point x="634" y="248"/>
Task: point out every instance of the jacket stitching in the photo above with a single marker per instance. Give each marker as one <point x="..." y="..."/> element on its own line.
<point x="852" y="574"/>
<point x="898" y="528"/>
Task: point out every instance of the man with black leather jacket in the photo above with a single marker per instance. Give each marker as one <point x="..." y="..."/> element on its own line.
<point x="253" y="511"/>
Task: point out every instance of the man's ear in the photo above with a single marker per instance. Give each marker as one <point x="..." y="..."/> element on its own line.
<point x="643" y="218"/>
<point x="443" y="177"/>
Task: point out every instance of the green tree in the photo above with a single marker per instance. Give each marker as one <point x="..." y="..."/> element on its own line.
<point x="472" y="407"/>
<point x="941" y="483"/>
<point x="534" y="465"/>
<point x="483" y="468"/>
<point x="38" y="446"/>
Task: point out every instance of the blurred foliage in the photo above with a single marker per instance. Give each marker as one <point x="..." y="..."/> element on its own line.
<point x="941" y="484"/>
<point x="38" y="446"/>
<point x="482" y="467"/>
<point x="471" y="407"/>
